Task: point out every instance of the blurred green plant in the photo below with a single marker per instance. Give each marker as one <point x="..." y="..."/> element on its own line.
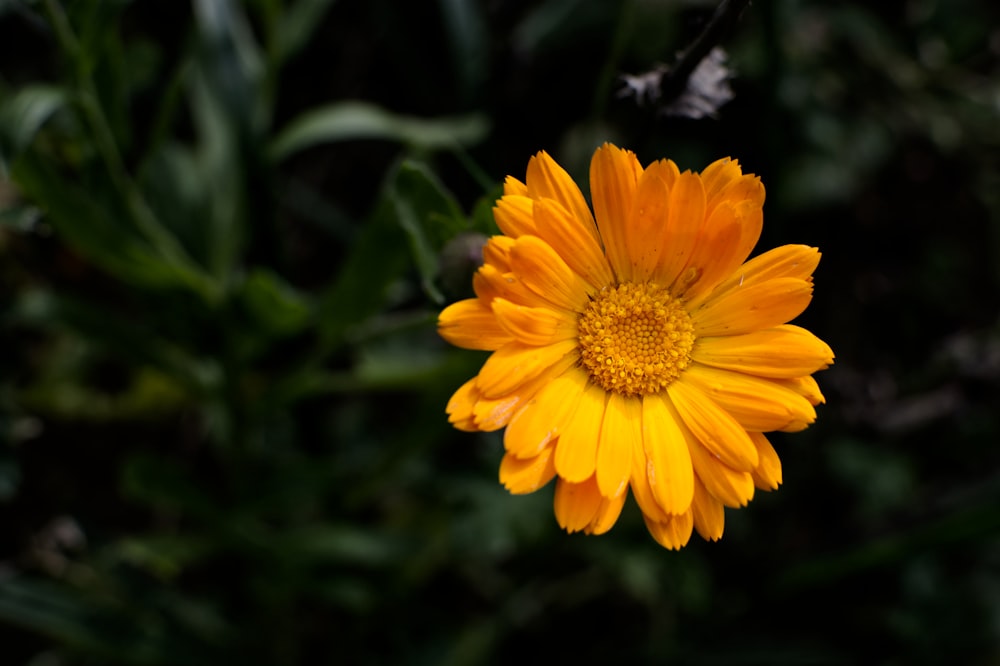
<point x="189" y="323"/>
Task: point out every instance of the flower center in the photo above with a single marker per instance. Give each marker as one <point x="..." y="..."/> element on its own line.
<point x="635" y="338"/>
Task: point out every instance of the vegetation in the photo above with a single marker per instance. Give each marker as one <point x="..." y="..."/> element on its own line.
<point x="225" y="232"/>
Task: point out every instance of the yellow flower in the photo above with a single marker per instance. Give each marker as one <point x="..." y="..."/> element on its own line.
<point x="633" y="347"/>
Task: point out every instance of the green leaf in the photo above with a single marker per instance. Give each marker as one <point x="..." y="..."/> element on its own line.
<point x="163" y="483"/>
<point x="111" y="629"/>
<point x="127" y="338"/>
<point x="19" y="217"/>
<point x="232" y="61"/>
<point x="164" y="556"/>
<point x="10" y="479"/>
<point x="430" y="216"/>
<point x="21" y="117"/>
<point x="376" y="261"/>
<point x="94" y="223"/>
<point x="274" y="303"/>
<point x="340" y="544"/>
<point x="347" y="121"/>
<point x="297" y="25"/>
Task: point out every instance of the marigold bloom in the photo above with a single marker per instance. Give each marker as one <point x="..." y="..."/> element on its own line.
<point x="633" y="347"/>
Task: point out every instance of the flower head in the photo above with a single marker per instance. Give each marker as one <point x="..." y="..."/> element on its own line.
<point x="633" y="347"/>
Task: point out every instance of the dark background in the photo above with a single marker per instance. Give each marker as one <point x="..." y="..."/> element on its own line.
<point x="222" y="429"/>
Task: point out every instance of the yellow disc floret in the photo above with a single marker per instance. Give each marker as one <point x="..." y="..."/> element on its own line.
<point x="635" y="338"/>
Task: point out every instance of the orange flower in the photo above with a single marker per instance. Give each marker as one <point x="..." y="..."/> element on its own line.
<point x="633" y="347"/>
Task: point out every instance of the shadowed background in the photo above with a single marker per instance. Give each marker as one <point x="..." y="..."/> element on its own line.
<point x="225" y="232"/>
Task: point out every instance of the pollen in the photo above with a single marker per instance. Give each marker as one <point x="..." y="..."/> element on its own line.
<point x="635" y="338"/>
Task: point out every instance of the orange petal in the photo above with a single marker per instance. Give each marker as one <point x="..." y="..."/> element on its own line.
<point x="742" y="188"/>
<point x="732" y="488"/>
<point x="753" y="307"/>
<point x="718" y="175"/>
<point x="673" y="533"/>
<point x="646" y="223"/>
<point x="516" y="363"/>
<point x="545" y="273"/>
<point x="685" y="220"/>
<point x="576" y="450"/>
<point x="533" y="326"/>
<point x="727" y="238"/>
<point x="621" y="429"/>
<point x="766" y="475"/>
<point x="513" y="186"/>
<point x="782" y="352"/>
<point x="669" y="470"/>
<point x="471" y="325"/>
<point x="607" y="514"/>
<point x="576" y="504"/>
<point x="496" y="252"/>
<point x="709" y="513"/>
<point x="806" y="387"/>
<point x="492" y="413"/>
<point x="757" y="404"/>
<point x="613" y="176"/>
<point x="545" y="416"/>
<point x="786" y="261"/>
<point x="714" y="428"/>
<point x="639" y="482"/>
<point x="526" y="476"/>
<point x="574" y="241"/>
<point x="460" y="406"/>
<point x="547" y="180"/>
<point x="489" y="283"/>
<point x="514" y="215"/>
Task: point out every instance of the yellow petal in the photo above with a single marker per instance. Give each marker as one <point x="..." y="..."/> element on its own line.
<point x="533" y="326"/>
<point x="545" y="415"/>
<point x="460" y="406"/>
<point x="513" y="186"/>
<point x="613" y="176"/>
<point x="516" y="363"/>
<point x="576" y="504"/>
<point x="574" y="241"/>
<point x="606" y="515"/>
<point x="576" y="450"/>
<point x="709" y="514"/>
<point x="714" y="428"/>
<point x="757" y="404"/>
<point x="471" y="325"/>
<point x="494" y="412"/>
<point x="806" y="387"/>
<point x="545" y="273"/>
<point x="514" y="215"/>
<point x="639" y="482"/>
<point x="526" y="476"/>
<point x="621" y="429"/>
<point x="732" y="488"/>
<point x="673" y="533"/>
<point x="782" y="352"/>
<point x="753" y="307"/>
<point x="547" y="180"/>
<point x="767" y="475"/>
<point x="685" y="219"/>
<point x="669" y="470"/>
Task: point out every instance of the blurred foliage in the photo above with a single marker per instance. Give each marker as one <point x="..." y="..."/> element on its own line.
<point x="226" y="229"/>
